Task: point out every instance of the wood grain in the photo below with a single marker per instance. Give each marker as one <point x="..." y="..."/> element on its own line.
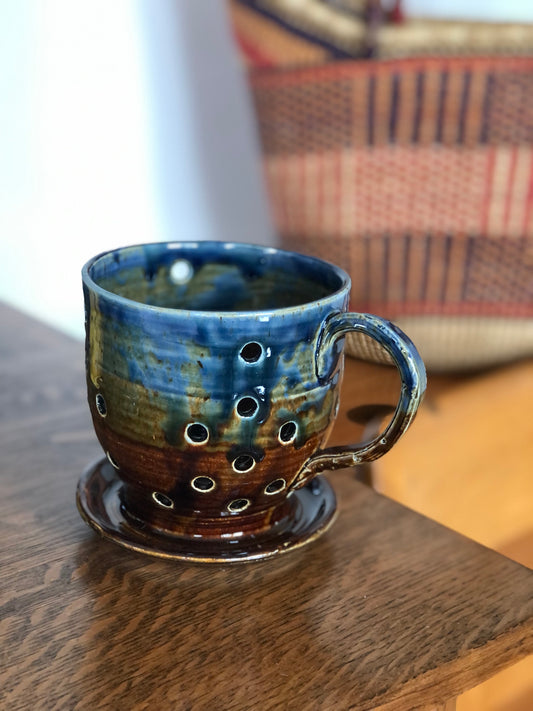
<point x="388" y="611"/>
<point x="477" y="440"/>
<point x="466" y="463"/>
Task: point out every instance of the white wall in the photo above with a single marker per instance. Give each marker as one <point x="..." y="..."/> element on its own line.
<point x="128" y="121"/>
<point x="121" y="122"/>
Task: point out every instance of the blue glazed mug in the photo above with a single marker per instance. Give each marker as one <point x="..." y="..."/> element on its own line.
<point x="213" y="375"/>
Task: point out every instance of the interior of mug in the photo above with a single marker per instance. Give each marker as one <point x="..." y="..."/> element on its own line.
<point x="215" y="276"/>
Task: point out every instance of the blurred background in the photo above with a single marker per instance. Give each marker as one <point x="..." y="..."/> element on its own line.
<point x="133" y="121"/>
<point x="121" y="122"/>
<point x="393" y="137"/>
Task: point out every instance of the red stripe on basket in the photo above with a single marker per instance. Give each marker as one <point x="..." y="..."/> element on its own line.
<point x="489" y="179"/>
<point x="337" y="197"/>
<point x="251" y="52"/>
<point x="348" y="69"/>
<point x="528" y="211"/>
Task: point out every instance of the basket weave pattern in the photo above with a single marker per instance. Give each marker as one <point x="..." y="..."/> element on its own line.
<point x="416" y="175"/>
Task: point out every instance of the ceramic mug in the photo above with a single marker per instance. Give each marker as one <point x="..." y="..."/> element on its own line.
<point x="213" y="375"/>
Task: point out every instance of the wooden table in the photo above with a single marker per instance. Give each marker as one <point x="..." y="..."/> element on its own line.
<point x="389" y="610"/>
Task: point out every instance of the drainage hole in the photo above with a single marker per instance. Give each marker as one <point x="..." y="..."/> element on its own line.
<point x="101" y="405"/>
<point x="162" y="500"/>
<point x="287" y="432"/>
<point x="243" y="463"/>
<point x="247" y="407"/>
<point x="251" y="352"/>
<point x="238" y="505"/>
<point x="196" y="433"/>
<point x="203" y="484"/>
<point x="275" y="486"/>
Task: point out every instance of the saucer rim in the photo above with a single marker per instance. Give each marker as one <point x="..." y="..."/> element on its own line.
<point x="103" y="518"/>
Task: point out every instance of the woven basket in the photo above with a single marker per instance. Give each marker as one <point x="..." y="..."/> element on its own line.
<point x="416" y="176"/>
<point x="286" y="33"/>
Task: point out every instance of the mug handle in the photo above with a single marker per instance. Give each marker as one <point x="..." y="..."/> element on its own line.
<point x="413" y="376"/>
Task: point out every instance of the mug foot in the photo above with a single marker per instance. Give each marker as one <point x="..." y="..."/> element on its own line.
<point x="99" y="500"/>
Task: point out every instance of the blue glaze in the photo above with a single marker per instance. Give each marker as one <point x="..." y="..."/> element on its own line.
<point x="166" y="354"/>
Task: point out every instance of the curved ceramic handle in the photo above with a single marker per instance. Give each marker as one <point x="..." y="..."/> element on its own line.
<point x="413" y="376"/>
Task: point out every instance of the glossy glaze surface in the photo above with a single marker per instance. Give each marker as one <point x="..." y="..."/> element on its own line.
<point x="209" y="414"/>
<point x="213" y="374"/>
<point x="310" y="512"/>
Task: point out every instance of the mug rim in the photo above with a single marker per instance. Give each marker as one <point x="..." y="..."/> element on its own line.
<point x="265" y="249"/>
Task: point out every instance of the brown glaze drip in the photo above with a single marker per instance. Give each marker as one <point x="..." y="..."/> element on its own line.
<point x="161" y="475"/>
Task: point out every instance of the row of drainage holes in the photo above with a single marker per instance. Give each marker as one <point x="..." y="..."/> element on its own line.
<point x="205" y="484"/>
<point x="242" y="464"/>
<point x="201" y="483"/>
<point x="197" y="433"/>
<point x="246" y="407"/>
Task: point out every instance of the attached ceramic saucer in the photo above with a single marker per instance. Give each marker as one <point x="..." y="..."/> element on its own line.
<point x="99" y="501"/>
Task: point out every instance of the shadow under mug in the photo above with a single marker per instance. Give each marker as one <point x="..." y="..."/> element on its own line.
<point x="213" y="375"/>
